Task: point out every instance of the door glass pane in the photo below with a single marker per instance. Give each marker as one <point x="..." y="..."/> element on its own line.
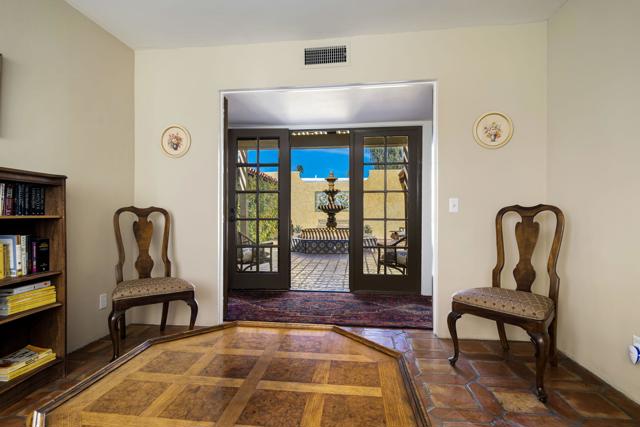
<point x="396" y="178"/>
<point x="373" y="205"/>
<point x="246" y="232"/>
<point x="395" y="260"/>
<point x="246" y="205"/>
<point x="373" y="177"/>
<point x="374" y="149"/>
<point x="372" y="234"/>
<point x="246" y="179"/>
<point x="396" y="205"/>
<point x="268" y="259"/>
<point x="370" y="257"/>
<point x="246" y="259"/>
<point x="247" y="151"/>
<point x="396" y="233"/>
<point x="397" y="149"/>
<point x="268" y="232"/>
<point x="269" y="205"/>
<point x="268" y="178"/>
<point x="269" y="151"/>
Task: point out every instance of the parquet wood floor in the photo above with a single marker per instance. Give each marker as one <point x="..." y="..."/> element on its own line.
<point x="484" y="389"/>
<point x="249" y="376"/>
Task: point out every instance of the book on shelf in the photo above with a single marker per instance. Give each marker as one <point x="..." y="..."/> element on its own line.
<point x="20" y="289"/>
<point x="4" y="261"/>
<point x="17" y="198"/>
<point x="24" y="361"/>
<point x="27" y="255"/>
<point x="28" y="300"/>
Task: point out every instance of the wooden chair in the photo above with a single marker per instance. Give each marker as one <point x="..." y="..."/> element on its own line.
<point x="146" y="289"/>
<point x="536" y="314"/>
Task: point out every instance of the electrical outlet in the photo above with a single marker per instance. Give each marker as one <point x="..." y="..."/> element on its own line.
<point x="636" y="341"/>
<point x="102" y="302"/>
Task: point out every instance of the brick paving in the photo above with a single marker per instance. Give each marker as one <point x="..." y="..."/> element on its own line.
<point x="484" y="389"/>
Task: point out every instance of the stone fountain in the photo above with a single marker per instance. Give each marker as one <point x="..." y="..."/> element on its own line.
<point x="331" y="208"/>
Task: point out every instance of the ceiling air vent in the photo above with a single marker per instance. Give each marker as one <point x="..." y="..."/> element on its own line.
<point x="326" y="55"/>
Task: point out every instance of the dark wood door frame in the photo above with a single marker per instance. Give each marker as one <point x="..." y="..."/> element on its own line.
<point x="411" y="282"/>
<point x="358" y="282"/>
<point x="280" y="279"/>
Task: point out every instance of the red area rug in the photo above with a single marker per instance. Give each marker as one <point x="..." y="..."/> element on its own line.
<point x="335" y="308"/>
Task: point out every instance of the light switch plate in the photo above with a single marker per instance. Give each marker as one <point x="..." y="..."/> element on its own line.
<point x="454" y="205"/>
<point x="636" y="340"/>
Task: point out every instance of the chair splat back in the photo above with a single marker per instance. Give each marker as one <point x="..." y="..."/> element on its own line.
<point x="143" y="233"/>
<point x="527" y="232"/>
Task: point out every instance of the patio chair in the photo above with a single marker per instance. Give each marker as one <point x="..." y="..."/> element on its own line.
<point x="249" y="257"/>
<point x="393" y="256"/>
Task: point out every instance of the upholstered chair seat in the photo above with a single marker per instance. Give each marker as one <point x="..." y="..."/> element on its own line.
<point x="507" y="301"/>
<point x="149" y="287"/>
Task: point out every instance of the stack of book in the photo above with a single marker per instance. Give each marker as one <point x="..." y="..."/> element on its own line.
<point x="21" y="199"/>
<point x="26" y="297"/>
<point x="24" y="361"/>
<point x="21" y="255"/>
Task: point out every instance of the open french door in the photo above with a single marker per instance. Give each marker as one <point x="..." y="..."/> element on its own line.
<point x="258" y="206"/>
<point x="386" y="230"/>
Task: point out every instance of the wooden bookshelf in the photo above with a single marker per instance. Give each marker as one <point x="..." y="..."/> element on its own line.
<point x="25" y="217"/>
<point x="42" y="326"/>
<point x="28" y="278"/>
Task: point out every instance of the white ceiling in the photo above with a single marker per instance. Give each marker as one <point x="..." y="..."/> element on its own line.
<point x="182" y="23"/>
<point x="332" y="105"/>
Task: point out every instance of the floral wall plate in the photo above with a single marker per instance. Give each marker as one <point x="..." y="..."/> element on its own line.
<point x="493" y="130"/>
<point x="175" y="141"/>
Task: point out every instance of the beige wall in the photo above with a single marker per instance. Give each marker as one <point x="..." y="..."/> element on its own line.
<point x="476" y="69"/>
<point x="67" y="107"/>
<point x="594" y="67"/>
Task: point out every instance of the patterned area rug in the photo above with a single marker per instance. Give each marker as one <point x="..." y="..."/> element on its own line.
<point x="336" y="308"/>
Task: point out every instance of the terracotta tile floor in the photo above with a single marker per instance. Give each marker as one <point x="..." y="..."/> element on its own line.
<point x="482" y="390"/>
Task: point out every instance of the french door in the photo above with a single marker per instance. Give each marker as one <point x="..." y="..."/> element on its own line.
<point x="258" y="206"/>
<point x="386" y="223"/>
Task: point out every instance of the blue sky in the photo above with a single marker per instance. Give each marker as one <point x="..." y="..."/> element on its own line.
<point x="319" y="162"/>
<point x="315" y="161"/>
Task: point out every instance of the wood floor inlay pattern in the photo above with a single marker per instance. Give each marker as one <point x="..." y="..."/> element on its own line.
<point x="486" y="388"/>
<point x="258" y="376"/>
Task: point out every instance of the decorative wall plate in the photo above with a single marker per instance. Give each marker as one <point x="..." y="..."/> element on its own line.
<point x="175" y="141"/>
<point x="493" y="130"/>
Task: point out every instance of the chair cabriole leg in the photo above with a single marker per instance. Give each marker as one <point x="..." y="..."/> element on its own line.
<point x="541" y="342"/>
<point x="503" y="336"/>
<point x="194" y="311"/>
<point x="165" y="313"/>
<point x="451" y="322"/>
<point x="114" y="318"/>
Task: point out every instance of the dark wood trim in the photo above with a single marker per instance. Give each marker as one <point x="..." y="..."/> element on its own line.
<point x="39" y="416"/>
<point x="225" y="210"/>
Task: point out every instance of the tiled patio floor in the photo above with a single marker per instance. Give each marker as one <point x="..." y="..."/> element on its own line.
<point x="325" y="272"/>
<point x="311" y="272"/>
